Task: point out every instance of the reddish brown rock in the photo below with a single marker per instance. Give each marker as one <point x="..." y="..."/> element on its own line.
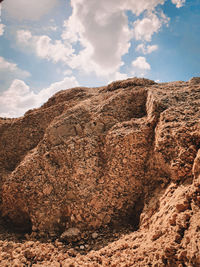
<point x="91" y="157"/>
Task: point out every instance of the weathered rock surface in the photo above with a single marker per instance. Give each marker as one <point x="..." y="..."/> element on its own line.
<point x="124" y="153"/>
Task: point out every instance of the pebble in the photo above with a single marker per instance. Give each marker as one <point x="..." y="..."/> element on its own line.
<point x="82" y="247"/>
<point x="70" y="234"/>
<point x="94" y="235"/>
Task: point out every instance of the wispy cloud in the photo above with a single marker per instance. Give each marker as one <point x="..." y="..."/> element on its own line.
<point x="146" y="49"/>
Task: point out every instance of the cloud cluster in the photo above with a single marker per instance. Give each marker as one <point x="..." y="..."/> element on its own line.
<point x="101" y="33"/>
<point x="19" y="98"/>
<point x="102" y="30"/>
<point x="178" y="3"/>
<point x="28" y="10"/>
<point x="146" y="49"/>
<point x="140" y="67"/>
<point x="55" y="51"/>
<point x="150" y="24"/>
<point x="143" y="31"/>
<point x="45" y="47"/>
<point x="141" y="63"/>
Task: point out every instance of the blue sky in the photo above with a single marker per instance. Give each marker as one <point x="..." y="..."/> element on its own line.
<point x="51" y="45"/>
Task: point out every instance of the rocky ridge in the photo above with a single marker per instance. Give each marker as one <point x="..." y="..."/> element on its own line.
<point x="123" y="156"/>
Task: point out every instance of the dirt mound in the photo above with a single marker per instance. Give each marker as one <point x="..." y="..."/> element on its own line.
<point x="102" y="160"/>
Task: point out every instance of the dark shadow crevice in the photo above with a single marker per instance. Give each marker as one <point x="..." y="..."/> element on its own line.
<point x="23" y="225"/>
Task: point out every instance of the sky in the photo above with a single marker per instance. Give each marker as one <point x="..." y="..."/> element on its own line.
<point x="51" y="45"/>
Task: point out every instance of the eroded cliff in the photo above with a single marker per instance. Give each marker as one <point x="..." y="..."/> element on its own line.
<point x="126" y="153"/>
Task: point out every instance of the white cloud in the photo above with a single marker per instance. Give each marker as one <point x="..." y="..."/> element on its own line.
<point x="146" y="27"/>
<point x="141" y="63"/>
<point x="120" y="76"/>
<point x="151" y="48"/>
<point x="101" y="29"/>
<point x="44" y="47"/>
<point x="24" y="37"/>
<point x="55" y="51"/>
<point x="146" y="49"/>
<point x="117" y="76"/>
<point x="137" y="7"/>
<point x="16" y="100"/>
<point x="178" y="3"/>
<point x="2" y="26"/>
<point x="19" y="98"/>
<point x="28" y="10"/>
<point x="58" y="51"/>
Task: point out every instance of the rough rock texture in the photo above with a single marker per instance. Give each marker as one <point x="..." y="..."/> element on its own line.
<point x="127" y="153"/>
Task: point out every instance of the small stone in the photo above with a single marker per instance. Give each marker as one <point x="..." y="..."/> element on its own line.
<point x="71" y="234"/>
<point x="82" y="247"/>
<point x="27" y="236"/>
<point x="58" y="244"/>
<point x="72" y="252"/>
<point x="182" y="206"/>
<point x="94" y="235"/>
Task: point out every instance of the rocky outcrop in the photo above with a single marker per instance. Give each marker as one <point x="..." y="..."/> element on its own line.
<point x="123" y="153"/>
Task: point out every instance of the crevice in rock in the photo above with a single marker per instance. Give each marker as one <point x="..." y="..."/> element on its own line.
<point x="24" y="226"/>
<point x="125" y="105"/>
<point x="153" y="112"/>
<point x="134" y="218"/>
<point x="19" y="222"/>
<point x="129" y="220"/>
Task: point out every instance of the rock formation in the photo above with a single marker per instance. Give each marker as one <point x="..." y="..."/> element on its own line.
<point x="126" y="153"/>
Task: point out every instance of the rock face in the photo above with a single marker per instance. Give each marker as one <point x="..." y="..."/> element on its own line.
<point x="126" y="152"/>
